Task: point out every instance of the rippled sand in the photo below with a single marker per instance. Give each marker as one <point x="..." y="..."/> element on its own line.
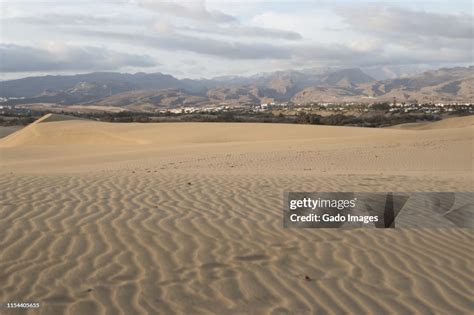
<point x="100" y="218"/>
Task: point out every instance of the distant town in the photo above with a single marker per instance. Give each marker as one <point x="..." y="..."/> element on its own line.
<point x="354" y="114"/>
<point x="332" y="107"/>
<point x="427" y="108"/>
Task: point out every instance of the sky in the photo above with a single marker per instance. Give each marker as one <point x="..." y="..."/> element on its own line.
<point x="204" y="39"/>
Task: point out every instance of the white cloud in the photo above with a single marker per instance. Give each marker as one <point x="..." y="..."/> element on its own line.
<point x="406" y="24"/>
<point x="222" y="37"/>
<point x="206" y="46"/>
<point x="314" y="25"/>
<point x="192" y="10"/>
<point x="15" y="58"/>
<point x="243" y="32"/>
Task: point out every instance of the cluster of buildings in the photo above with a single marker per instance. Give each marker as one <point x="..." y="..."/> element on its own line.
<point x="6" y="99"/>
<point x="272" y="105"/>
<point x="195" y="109"/>
<point x="290" y="107"/>
<point x="438" y="108"/>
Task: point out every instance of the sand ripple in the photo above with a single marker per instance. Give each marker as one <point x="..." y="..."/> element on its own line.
<point x="193" y="244"/>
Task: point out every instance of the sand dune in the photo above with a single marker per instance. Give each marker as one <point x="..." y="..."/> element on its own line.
<point x="100" y="218"/>
<point x="54" y="130"/>
<point x="457" y="122"/>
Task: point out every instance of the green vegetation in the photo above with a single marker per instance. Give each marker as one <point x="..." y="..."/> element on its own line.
<point x="374" y="119"/>
<point x="381" y="106"/>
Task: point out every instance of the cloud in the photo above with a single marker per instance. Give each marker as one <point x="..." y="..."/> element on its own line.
<point x="245" y="31"/>
<point x="78" y="19"/>
<point x="65" y="18"/>
<point x="402" y="23"/>
<point x="209" y="22"/>
<point x="190" y="10"/>
<point x="206" y="46"/>
<point x="345" y="55"/>
<point x="15" y="58"/>
<point x="312" y="24"/>
<point x="402" y="36"/>
<point x="351" y="54"/>
<point x="231" y="38"/>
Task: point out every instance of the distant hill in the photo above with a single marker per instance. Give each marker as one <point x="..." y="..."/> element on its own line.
<point x="453" y="84"/>
<point x="141" y="91"/>
<point x="108" y="82"/>
<point x="443" y="85"/>
<point x="347" y="78"/>
<point x="147" y="100"/>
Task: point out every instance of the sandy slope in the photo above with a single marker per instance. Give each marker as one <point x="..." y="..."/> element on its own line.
<point x="186" y="218"/>
<point x="457" y="122"/>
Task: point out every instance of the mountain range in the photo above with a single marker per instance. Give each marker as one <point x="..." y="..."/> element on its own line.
<point x="142" y="91"/>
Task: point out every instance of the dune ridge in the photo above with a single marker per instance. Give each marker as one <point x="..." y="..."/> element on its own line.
<point x="456" y="122"/>
<point x="189" y="220"/>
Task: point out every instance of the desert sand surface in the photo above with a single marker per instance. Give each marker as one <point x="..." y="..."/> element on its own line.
<point x="457" y="122"/>
<point x="186" y="218"/>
